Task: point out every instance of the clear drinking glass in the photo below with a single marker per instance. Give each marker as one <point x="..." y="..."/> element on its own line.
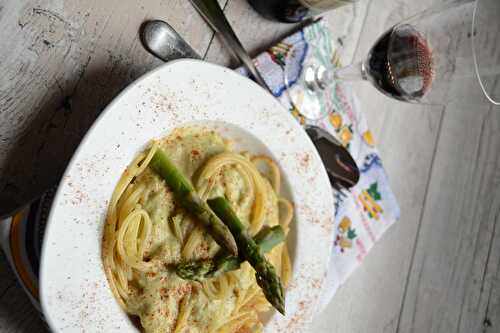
<point x="486" y="47"/>
<point x="417" y="60"/>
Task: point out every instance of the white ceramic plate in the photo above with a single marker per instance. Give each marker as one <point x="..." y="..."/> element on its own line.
<point x="74" y="292"/>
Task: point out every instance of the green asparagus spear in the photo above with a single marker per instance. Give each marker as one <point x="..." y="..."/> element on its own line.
<point x="196" y="270"/>
<point x="189" y="200"/>
<point x="266" y="239"/>
<point x="265" y="274"/>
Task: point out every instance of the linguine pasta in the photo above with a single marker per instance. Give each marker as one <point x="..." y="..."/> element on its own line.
<point x="146" y="234"/>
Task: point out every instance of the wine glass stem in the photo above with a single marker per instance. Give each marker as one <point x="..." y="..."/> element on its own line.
<point x="353" y="72"/>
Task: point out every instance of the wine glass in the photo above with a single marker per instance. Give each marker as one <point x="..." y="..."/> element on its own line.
<point x="417" y="61"/>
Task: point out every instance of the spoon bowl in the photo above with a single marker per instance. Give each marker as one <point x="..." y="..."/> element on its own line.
<point x="161" y="40"/>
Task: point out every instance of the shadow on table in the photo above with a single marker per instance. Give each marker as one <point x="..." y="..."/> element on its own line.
<point x="17" y="314"/>
<point x="42" y="152"/>
<point x="39" y="159"/>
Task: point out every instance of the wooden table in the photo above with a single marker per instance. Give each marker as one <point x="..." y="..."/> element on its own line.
<point x="436" y="270"/>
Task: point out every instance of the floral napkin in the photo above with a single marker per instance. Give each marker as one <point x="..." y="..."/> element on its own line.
<point x="363" y="214"/>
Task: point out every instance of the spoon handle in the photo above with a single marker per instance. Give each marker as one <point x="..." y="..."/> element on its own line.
<point x="213" y="14"/>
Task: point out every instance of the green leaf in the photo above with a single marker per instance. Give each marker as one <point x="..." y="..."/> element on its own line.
<point x="373" y="192"/>
<point x="351" y="234"/>
<point x="280" y="59"/>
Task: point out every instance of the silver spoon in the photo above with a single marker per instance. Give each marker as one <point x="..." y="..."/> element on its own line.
<point x="164" y="42"/>
<point x="160" y="39"/>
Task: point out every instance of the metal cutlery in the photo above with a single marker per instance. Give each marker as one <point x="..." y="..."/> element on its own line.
<point x="213" y="14"/>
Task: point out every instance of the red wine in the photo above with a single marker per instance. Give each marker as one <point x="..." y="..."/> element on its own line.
<point x="400" y="64"/>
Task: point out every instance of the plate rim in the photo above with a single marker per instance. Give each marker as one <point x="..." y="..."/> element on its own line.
<point x="90" y="133"/>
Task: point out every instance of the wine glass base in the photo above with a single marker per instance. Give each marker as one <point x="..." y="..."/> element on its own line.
<point x="307" y="82"/>
<point x="308" y="103"/>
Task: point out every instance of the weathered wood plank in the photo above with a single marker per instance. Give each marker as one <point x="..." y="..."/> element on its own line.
<point x="17" y="314"/>
<point x="453" y="285"/>
<point x="481" y="308"/>
<point x="491" y="319"/>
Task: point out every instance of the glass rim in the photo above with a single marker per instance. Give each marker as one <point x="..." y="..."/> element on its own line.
<point x="475" y="57"/>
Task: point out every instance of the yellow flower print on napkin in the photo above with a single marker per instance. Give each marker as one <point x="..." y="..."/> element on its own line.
<point x="335" y="119"/>
<point x="369" y="198"/>
<point x="368" y="138"/>
<point x="346" y="234"/>
<point x="345" y="135"/>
